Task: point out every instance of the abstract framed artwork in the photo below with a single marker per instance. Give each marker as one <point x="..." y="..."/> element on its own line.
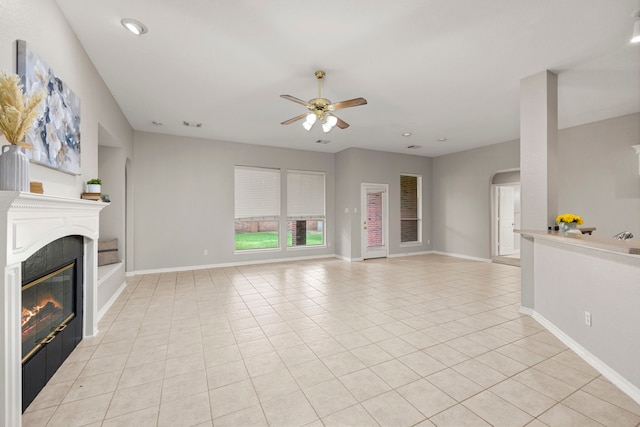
<point x="55" y="135"/>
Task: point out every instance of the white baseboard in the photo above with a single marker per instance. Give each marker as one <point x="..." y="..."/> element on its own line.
<point x="410" y="254"/>
<point x="271" y="261"/>
<point x="471" y="258"/>
<point x="228" y="264"/>
<point x="113" y="299"/>
<point x="527" y="311"/>
<point x="345" y="258"/>
<point x="621" y="382"/>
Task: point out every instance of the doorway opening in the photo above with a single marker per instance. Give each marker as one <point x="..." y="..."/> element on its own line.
<point x="505" y="217"/>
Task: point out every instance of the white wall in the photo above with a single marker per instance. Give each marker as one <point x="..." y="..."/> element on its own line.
<point x="355" y="166"/>
<point x="41" y="24"/>
<point x="184" y="195"/>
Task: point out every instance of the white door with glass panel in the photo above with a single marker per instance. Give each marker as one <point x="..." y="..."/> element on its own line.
<point x="374" y="221"/>
<point x="506" y="220"/>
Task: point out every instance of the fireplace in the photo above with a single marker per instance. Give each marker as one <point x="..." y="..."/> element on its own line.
<point x="28" y="223"/>
<point x="51" y="316"/>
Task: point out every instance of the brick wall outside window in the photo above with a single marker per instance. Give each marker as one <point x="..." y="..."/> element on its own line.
<point x="409" y="208"/>
<point x="374" y="223"/>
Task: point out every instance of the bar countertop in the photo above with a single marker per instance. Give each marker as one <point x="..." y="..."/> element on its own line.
<point x="587" y="241"/>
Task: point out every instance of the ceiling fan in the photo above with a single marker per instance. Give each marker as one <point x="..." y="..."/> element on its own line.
<point x="321" y="109"/>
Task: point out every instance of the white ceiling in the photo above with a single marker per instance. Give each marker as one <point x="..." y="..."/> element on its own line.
<point x="436" y="68"/>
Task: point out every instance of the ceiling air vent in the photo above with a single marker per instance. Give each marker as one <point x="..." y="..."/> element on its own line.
<point x="322" y="141"/>
<point x="192" y="124"/>
<point x="413" y="147"/>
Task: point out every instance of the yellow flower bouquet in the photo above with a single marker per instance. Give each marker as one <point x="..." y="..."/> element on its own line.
<point x="17" y="113"/>
<point x="569" y="218"/>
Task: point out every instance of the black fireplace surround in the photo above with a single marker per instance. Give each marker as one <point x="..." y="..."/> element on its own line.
<point x="51" y="311"/>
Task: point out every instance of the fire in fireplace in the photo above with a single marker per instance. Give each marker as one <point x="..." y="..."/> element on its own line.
<point x="47" y="307"/>
<point x="51" y="311"/>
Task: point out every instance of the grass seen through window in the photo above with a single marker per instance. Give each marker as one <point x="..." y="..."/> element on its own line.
<point x="265" y="240"/>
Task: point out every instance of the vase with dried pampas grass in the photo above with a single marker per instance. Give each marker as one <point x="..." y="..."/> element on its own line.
<point x="17" y="114"/>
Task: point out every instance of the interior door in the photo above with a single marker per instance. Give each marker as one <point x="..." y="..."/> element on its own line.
<point x="374" y="221"/>
<point x="506" y="220"/>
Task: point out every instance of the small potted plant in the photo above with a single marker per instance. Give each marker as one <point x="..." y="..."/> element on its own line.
<point x="94" y="185"/>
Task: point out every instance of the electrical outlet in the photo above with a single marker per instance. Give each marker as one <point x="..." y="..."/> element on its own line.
<point x="206" y="252"/>
<point x="587" y="318"/>
<point x="428" y="242"/>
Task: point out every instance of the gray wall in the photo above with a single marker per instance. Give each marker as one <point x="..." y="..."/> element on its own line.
<point x="461" y="205"/>
<point x="598" y="180"/>
<point x="355" y="166"/>
<point x="598" y="174"/>
<point x="608" y="289"/>
<point x="184" y="199"/>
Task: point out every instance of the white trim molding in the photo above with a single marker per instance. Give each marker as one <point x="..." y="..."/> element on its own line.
<point x="637" y="148"/>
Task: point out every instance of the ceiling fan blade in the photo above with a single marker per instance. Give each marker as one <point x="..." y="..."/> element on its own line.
<point x="295" y="119"/>
<point x="346" y="104"/>
<point x="297" y="100"/>
<point x="341" y="123"/>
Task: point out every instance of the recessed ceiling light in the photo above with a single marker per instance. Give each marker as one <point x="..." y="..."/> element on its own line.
<point x="155" y="123"/>
<point x="407" y="134"/>
<point x="134" y="26"/>
<point x="443" y="139"/>
<point x="192" y="124"/>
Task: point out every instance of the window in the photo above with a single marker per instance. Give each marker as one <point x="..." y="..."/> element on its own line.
<point x="410" y="209"/>
<point x="257" y="208"/>
<point x="305" y="208"/>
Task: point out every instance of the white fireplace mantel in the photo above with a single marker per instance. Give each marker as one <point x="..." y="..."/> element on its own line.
<point x="31" y="222"/>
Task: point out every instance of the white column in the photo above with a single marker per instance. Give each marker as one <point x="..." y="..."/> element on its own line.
<point x="10" y="348"/>
<point x="538" y="170"/>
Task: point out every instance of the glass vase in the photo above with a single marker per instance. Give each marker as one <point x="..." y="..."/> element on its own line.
<point x="569" y="228"/>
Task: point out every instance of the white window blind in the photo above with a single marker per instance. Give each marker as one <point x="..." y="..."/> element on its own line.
<point x="305" y="195"/>
<point x="257" y="193"/>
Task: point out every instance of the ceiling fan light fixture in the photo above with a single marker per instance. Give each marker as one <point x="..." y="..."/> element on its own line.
<point x="311" y="118"/>
<point x="134" y="26"/>
<point x="320" y="107"/>
<point x="328" y="123"/>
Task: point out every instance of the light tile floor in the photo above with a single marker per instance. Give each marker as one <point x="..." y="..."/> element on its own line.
<point x="423" y="340"/>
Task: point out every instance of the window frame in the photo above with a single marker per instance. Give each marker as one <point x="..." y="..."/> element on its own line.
<point x="312" y="217"/>
<point x="277" y="218"/>
<point x="419" y="218"/>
